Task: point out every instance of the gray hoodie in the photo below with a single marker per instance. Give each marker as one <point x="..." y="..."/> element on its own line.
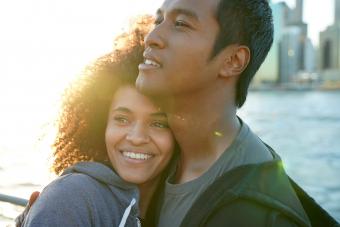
<point x="87" y="194"/>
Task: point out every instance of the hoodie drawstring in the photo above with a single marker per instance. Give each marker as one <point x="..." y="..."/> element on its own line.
<point x="127" y="212"/>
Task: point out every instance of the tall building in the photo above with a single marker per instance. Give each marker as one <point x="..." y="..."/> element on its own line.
<point x="337" y="12"/>
<point x="297" y="13"/>
<point x="294" y="47"/>
<point x="269" y="70"/>
<point x="310" y="56"/>
<point x="329" y="53"/>
<point x="288" y="55"/>
<point x="330" y="48"/>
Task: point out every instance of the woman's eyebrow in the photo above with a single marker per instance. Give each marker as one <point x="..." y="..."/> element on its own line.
<point x="122" y="109"/>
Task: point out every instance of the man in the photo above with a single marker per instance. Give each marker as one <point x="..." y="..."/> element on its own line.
<point x="199" y="60"/>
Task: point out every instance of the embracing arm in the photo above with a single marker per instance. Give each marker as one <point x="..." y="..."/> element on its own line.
<point x="19" y="221"/>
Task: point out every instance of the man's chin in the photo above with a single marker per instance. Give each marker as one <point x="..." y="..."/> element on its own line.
<point x="147" y="87"/>
<point x="154" y="91"/>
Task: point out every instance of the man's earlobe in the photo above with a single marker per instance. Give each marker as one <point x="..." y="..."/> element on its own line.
<point x="236" y="60"/>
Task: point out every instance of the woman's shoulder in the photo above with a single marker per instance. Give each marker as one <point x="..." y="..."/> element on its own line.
<point x="72" y="181"/>
<point x="70" y="187"/>
<point x="71" y="198"/>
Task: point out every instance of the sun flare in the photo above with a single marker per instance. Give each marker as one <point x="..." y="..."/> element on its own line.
<point x="43" y="46"/>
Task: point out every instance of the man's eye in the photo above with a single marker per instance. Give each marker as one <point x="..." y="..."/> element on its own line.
<point x="158" y="124"/>
<point x="158" y="20"/>
<point x="121" y="120"/>
<point x="180" y="23"/>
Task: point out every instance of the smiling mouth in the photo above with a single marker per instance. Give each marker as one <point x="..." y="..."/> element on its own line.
<point x="136" y="156"/>
<point x="151" y="63"/>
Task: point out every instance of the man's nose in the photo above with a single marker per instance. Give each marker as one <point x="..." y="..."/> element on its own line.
<point x="138" y="135"/>
<point x="155" y="38"/>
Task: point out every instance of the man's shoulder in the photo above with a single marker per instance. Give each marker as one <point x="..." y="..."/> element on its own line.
<point x="243" y="212"/>
<point x="259" y="189"/>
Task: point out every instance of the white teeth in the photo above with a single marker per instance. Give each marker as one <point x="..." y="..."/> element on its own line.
<point x="138" y="156"/>
<point x="150" y="62"/>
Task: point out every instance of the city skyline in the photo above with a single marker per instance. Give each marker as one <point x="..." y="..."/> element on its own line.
<point x="293" y="59"/>
<point x="318" y="15"/>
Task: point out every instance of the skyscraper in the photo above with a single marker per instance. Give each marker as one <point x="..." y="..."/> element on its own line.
<point x="329" y="55"/>
<point x="297" y="12"/>
<point x="269" y="70"/>
<point x="288" y="55"/>
<point x="337" y="12"/>
<point x="294" y="43"/>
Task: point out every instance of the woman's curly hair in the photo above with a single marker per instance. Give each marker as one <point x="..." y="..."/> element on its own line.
<point x="85" y="105"/>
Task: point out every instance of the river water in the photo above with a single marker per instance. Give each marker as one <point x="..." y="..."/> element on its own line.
<point x="302" y="126"/>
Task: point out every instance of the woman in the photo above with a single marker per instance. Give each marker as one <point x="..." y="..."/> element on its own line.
<point x="111" y="139"/>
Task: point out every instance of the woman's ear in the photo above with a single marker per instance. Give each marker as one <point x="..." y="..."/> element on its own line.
<point x="235" y="61"/>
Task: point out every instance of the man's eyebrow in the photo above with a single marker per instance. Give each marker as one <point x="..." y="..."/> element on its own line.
<point x="181" y="11"/>
<point x="159" y="12"/>
<point x="159" y="114"/>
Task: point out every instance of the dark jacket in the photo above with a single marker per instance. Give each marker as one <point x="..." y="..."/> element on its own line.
<point x="317" y="215"/>
<point x="256" y="195"/>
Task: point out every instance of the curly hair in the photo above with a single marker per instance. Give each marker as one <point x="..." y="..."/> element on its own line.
<point x="83" y="117"/>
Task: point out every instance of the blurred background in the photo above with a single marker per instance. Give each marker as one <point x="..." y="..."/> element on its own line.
<point x="293" y="104"/>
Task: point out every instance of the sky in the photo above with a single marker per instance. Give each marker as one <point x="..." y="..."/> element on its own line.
<point x="44" y="43"/>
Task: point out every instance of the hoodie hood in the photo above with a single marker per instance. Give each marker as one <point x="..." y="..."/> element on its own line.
<point x="127" y="193"/>
<point x="101" y="173"/>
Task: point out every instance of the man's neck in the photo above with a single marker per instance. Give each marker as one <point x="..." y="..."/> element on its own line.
<point x="204" y="127"/>
<point x="146" y="192"/>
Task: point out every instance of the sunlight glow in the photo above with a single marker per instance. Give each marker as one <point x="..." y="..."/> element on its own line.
<point x="43" y="45"/>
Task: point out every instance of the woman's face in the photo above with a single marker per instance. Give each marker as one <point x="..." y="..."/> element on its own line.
<point x="138" y="140"/>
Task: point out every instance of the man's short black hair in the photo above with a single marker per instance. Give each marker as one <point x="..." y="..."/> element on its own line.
<point x="250" y="23"/>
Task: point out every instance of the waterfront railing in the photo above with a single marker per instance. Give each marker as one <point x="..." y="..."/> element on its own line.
<point x="13" y="200"/>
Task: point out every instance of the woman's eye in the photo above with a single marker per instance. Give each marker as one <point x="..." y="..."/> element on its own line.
<point x="160" y="124"/>
<point x="121" y="120"/>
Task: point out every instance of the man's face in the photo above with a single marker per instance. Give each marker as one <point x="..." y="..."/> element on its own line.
<point x="178" y="49"/>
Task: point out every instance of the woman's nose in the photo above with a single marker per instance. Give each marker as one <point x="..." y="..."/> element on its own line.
<point x="138" y="135"/>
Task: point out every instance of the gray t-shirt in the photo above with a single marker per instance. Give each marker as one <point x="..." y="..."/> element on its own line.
<point x="247" y="148"/>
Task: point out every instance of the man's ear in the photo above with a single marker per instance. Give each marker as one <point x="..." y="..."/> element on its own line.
<point x="236" y="59"/>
